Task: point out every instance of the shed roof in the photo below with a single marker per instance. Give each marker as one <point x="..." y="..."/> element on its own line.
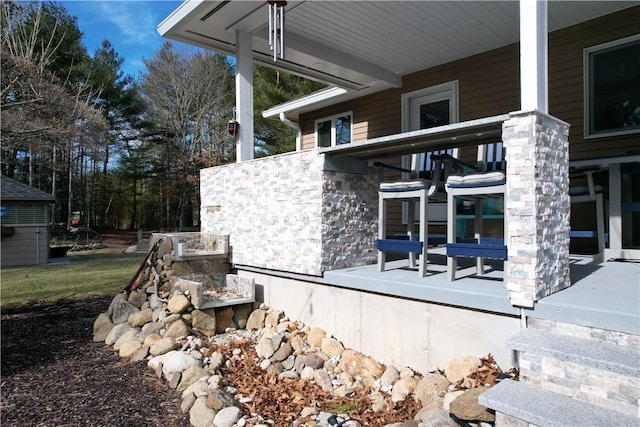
<point x="10" y="189"/>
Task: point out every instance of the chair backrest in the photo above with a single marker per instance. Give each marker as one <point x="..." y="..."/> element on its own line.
<point x="424" y="165"/>
<point x="491" y="157"/>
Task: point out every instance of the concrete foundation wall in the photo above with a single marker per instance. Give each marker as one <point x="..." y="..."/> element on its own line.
<point x="394" y="331"/>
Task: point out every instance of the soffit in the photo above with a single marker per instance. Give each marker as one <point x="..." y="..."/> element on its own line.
<point x="368" y="44"/>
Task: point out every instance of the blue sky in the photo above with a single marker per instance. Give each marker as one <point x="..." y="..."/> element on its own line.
<point x="129" y="25"/>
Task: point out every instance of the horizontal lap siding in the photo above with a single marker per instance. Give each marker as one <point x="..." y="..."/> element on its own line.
<point x="566" y="89"/>
<point x="22" y="247"/>
<point x="489" y="84"/>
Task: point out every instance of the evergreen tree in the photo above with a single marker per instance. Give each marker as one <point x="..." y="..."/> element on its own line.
<point x="273" y="87"/>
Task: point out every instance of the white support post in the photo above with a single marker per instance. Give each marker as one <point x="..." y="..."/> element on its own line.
<point x="244" y="95"/>
<point x="533" y="56"/>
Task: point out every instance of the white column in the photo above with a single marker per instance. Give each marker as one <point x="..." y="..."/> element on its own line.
<point x="244" y="95"/>
<point x="533" y="56"/>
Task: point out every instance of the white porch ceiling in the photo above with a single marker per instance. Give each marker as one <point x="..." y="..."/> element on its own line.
<point x="368" y="45"/>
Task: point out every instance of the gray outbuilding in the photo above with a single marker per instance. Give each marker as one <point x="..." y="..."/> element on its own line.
<point x="24" y="218"/>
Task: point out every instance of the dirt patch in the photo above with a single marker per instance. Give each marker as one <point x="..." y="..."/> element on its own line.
<point x="53" y="374"/>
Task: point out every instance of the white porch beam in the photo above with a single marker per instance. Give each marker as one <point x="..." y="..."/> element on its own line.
<point x="533" y="56"/>
<point x="244" y="95"/>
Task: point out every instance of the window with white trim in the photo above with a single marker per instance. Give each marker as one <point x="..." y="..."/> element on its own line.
<point x="334" y="130"/>
<point x="612" y="88"/>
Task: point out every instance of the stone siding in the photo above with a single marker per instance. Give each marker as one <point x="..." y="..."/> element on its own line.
<point x="586" y="332"/>
<point x="290" y="213"/>
<point x="586" y="383"/>
<point x="537" y="206"/>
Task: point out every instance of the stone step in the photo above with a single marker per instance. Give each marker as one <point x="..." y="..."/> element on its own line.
<point x="548" y="409"/>
<point x="590" y="353"/>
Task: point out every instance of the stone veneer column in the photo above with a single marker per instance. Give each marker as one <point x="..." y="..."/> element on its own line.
<point x="537" y="206"/>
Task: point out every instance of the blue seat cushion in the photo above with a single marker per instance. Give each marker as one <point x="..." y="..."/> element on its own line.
<point x="487" y="248"/>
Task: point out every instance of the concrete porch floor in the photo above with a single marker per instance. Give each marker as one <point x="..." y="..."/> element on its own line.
<point x="603" y="295"/>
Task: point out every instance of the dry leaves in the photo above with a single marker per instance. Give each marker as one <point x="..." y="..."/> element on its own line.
<point x="486" y="375"/>
<point x="282" y="400"/>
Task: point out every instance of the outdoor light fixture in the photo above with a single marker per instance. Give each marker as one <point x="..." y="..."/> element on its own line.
<point x="276" y="28"/>
<point x="234" y="128"/>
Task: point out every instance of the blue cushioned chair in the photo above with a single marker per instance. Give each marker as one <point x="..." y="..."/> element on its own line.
<point x="425" y="181"/>
<point x="488" y="182"/>
<point x="591" y="192"/>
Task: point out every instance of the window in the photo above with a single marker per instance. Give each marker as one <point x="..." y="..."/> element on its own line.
<point x="335" y="130"/>
<point x="612" y="88"/>
<point x="23" y="213"/>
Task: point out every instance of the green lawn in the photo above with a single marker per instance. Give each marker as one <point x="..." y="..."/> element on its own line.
<point x="87" y="274"/>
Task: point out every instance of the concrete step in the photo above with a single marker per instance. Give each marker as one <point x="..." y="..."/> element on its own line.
<point x="547" y="409"/>
<point x="587" y="352"/>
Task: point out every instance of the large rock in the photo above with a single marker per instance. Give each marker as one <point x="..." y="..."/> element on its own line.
<point x="389" y="377"/>
<point x="162" y="346"/>
<point x="282" y="353"/>
<point x="155" y="302"/>
<point x="358" y="365"/>
<point x="273" y="318"/>
<point x="203" y="323"/>
<point x="129" y="348"/>
<point x="466" y="407"/>
<point x="122" y="310"/>
<point x="137" y="298"/>
<point x="439" y="419"/>
<point x="116" y="332"/>
<point x="131" y="334"/>
<point x="101" y="320"/>
<point x="219" y="399"/>
<point x="224" y="319"/>
<point x="102" y="333"/>
<point x="178" y="303"/>
<point x="227" y="417"/>
<point x="265" y="347"/>
<point x="430" y="387"/>
<point x="141" y="317"/>
<point x="430" y="409"/>
<point x="172" y="362"/>
<point x="118" y="298"/>
<point x="461" y="367"/>
<point x="315" y="337"/>
<point x="190" y="376"/>
<point x="241" y="315"/>
<point x="256" y="319"/>
<point x="201" y="414"/>
<point x="177" y="329"/>
<point x="331" y="347"/>
<point x="405" y="386"/>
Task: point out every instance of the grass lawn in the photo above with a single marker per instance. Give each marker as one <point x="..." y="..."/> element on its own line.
<point x="86" y="275"/>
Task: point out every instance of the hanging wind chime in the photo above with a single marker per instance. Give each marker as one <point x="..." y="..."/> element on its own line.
<point x="276" y="28"/>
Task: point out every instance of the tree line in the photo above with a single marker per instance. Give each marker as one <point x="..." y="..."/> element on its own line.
<point x="120" y="152"/>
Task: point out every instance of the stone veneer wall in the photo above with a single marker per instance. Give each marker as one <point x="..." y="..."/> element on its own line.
<point x="599" y="387"/>
<point x="289" y="213"/>
<point x="537" y="206"/>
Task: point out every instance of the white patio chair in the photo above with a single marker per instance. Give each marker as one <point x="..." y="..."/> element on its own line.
<point x="594" y="194"/>
<point x="425" y="181"/>
<point x="489" y="182"/>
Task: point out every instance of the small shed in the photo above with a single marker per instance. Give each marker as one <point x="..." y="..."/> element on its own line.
<point x="24" y="220"/>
